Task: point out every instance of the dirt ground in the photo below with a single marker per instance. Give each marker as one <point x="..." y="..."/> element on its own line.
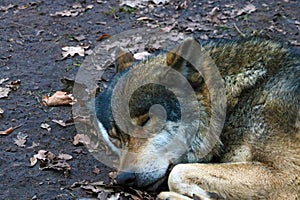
<point x="32" y="35"/>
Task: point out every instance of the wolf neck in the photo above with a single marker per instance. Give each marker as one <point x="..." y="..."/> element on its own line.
<point x="245" y="64"/>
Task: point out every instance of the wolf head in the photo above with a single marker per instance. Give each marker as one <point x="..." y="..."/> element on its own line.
<point x="155" y="113"/>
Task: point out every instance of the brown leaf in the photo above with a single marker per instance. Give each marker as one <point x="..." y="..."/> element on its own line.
<point x="4" y="92"/>
<point x="62" y="123"/>
<point x="246" y="10"/>
<point x="103" y="37"/>
<point x="46" y="126"/>
<point x="96" y="170"/>
<point x="14" y="85"/>
<point x="21" y="139"/>
<point x="58" y="99"/>
<point x="33" y="161"/>
<point x="51" y="161"/>
<point x="9" y="130"/>
<point x="81" y="139"/>
<point x="41" y="155"/>
<point x="64" y="156"/>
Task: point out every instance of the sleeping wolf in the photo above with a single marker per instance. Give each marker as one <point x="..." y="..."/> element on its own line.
<point x="257" y="155"/>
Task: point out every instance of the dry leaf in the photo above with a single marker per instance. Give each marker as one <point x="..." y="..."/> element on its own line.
<point x="103" y="37"/>
<point x="64" y="124"/>
<point x="141" y="55"/>
<point x="64" y="156"/>
<point x="79" y="38"/>
<point x="246" y="10"/>
<point x="96" y="170"/>
<point x="145" y="19"/>
<point x="9" y="130"/>
<point x="33" y="145"/>
<point x="71" y="51"/>
<point x="59" y="98"/>
<point x="66" y="13"/>
<point x="33" y="161"/>
<point x="77" y="9"/>
<point x="6" y="8"/>
<point x="14" y="85"/>
<point x="4" y="92"/>
<point x="21" y="139"/>
<point x="41" y="155"/>
<point x="81" y="139"/>
<point x="133" y="3"/>
<point x="50" y="161"/>
<point x="46" y="126"/>
<point x="182" y="5"/>
<point x="160" y="1"/>
<point x="3" y="80"/>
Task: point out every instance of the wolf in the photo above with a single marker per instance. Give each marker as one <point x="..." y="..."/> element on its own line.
<point x="257" y="153"/>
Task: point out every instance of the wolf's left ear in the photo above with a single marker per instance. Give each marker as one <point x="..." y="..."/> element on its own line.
<point x="124" y="60"/>
<point x="184" y="57"/>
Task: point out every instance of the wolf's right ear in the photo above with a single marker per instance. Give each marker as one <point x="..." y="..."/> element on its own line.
<point x="182" y="59"/>
<point x="124" y="60"/>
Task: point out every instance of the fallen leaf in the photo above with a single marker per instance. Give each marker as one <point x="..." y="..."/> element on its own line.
<point x="160" y="1"/>
<point x="46" y="126"/>
<point x="4" y="92"/>
<point x="72" y="51"/>
<point x="246" y="10"/>
<point x="66" y="13"/>
<point x="59" y="98"/>
<point x="141" y="55"/>
<point x="114" y="197"/>
<point x="103" y="37"/>
<point x="64" y="156"/>
<point x="6" y="8"/>
<point x="77" y="9"/>
<point x="14" y="85"/>
<point x="33" y="145"/>
<point x="96" y="170"/>
<point x="48" y="160"/>
<point x="41" y="155"/>
<point x="144" y="19"/>
<point x="33" y="161"/>
<point x="3" y="80"/>
<point x="81" y="139"/>
<point x="182" y="5"/>
<point x="112" y="192"/>
<point x="21" y="139"/>
<point x="62" y="123"/>
<point x="1" y="112"/>
<point x="133" y="3"/>
<point x="9" y="130"/>
<point x="79" y="38"/>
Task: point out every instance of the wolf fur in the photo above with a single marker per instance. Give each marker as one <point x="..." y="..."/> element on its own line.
<point x="257" y="155"/>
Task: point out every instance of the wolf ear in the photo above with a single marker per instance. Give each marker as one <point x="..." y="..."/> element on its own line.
<point x="182" y="59"/>
<point x="124" y="60"/>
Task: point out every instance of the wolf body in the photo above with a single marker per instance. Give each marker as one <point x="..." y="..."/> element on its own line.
<point x="256" y="156"/>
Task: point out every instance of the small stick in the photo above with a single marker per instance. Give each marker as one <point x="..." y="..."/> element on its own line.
<point x="238" y="30"/>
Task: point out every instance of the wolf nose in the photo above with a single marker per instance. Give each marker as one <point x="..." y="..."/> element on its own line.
<point x="126" y="179"/>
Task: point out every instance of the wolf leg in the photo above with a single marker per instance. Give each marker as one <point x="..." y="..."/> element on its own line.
<point x="227" y="180"/>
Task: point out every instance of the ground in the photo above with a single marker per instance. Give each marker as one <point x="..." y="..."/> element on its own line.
<point x="32" y="36"/>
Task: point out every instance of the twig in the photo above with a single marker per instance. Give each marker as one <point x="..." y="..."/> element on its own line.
<point x="238" y="30"/>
